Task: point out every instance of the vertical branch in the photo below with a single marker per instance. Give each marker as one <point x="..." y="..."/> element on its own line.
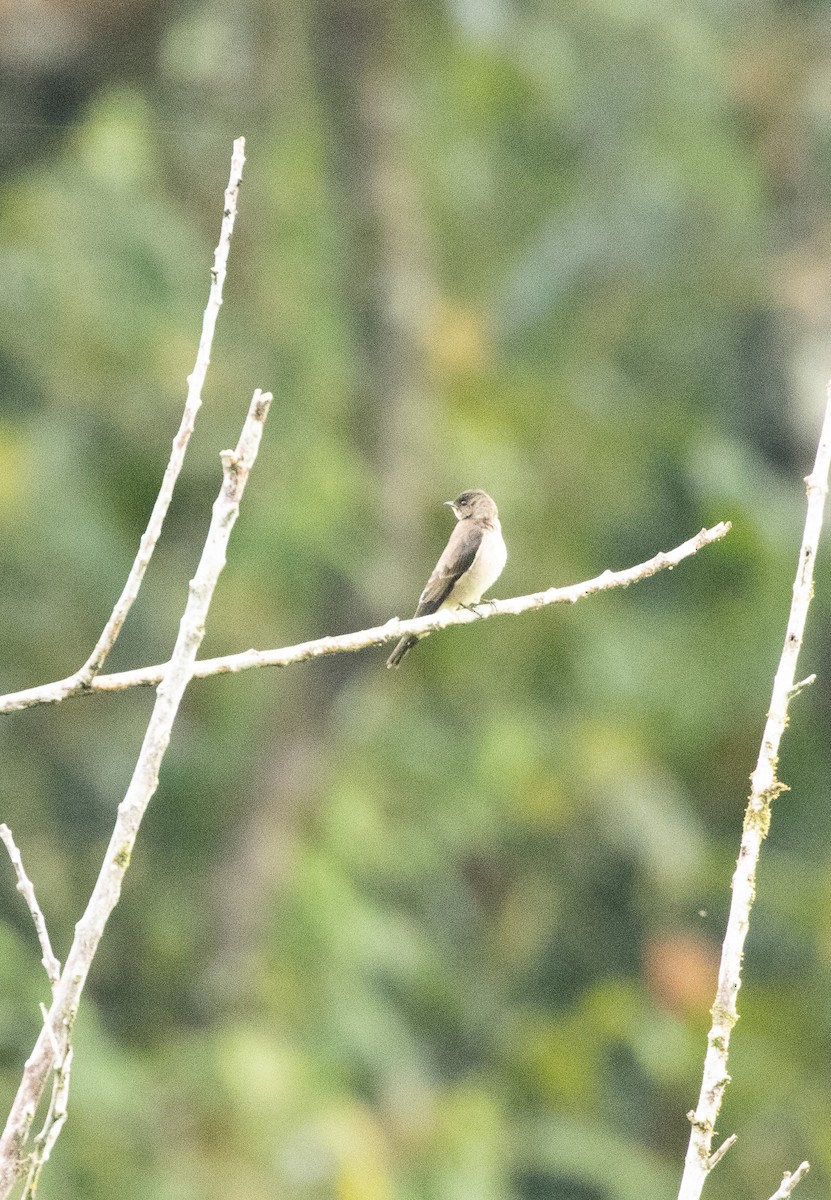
<point x="53" y="1123"/>
<point x="50" y="1049"/>
<point x="765" y="787"/>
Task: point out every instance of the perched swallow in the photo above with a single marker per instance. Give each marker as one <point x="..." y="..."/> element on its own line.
<point x="471" y="563"/>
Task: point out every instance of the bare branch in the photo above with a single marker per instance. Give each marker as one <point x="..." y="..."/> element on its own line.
<point x="349" y="642"/>
<point x="803" y="683"/>
<point x="765" y="786"/>
<point x="81" y="679"/>
<point x="789" y="1181"/>
<point x="53" y="1040"/>
<point x="720" y="1151"/>
<point x="52" y="1125"/>
<point x="27" y="891"/>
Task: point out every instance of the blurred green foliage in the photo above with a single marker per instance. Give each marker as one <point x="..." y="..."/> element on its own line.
<point x="450" y="933"/>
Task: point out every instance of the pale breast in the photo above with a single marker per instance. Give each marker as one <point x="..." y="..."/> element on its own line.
<point x="486" y="568"/>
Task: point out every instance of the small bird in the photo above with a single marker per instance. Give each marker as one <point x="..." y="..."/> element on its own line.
<point x="471" y="562"/>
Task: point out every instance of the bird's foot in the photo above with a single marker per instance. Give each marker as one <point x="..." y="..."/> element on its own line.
<point x="477" y="607"/>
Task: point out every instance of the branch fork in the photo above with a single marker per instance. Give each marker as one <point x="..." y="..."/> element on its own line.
<point x="49" y="1057"/>
<point x="52" y="1054"/>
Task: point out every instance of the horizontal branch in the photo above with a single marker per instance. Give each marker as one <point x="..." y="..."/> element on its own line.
<point x="51" y="693"/>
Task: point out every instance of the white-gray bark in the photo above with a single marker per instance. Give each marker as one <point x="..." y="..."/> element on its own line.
<point x="27" y="891"/>
<point x="52" y="693"/>
<point x="765" y="787"/>
<point x="82" y="678"/>
<point x="50" y="1052"/>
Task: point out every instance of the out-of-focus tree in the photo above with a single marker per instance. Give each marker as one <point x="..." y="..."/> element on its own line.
<point x="450" y="931"/>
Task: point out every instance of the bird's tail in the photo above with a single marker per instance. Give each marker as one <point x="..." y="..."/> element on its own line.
<point x="404" y="646"/>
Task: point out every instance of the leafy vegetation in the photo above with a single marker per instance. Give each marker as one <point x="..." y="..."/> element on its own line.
<point x="450" y="932"/>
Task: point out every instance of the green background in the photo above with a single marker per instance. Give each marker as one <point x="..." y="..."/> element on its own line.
<point x="448" y="933"/>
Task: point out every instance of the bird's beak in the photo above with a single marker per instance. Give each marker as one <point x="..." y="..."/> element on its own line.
<point x="452" y="504"/>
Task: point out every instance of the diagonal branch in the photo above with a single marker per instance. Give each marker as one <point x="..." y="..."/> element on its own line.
<point x="789" y="1182"/>
<point x="765" y="787"/>
<point x="50" y="1051"/>
<point x="50" y="693"/>
<point x="27" y="891"/>
<point x="82" y="678"/>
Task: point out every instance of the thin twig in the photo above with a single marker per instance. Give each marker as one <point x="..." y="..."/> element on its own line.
<point x="233" y="663"/>
<point x="52" y="1125"/>
<point x="81" y="679"/>
<point x="720" y="1151"/>
<point x="789" y="1181"/>
<point x="27" y="891"/>
<point x="52" y="1042"/>
<point x="765" y="787"/>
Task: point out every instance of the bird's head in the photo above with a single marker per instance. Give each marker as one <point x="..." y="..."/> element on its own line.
<point x="474" y="503"/>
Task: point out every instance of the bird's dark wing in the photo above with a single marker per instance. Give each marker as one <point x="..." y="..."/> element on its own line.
<point x="457" y="557"/>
